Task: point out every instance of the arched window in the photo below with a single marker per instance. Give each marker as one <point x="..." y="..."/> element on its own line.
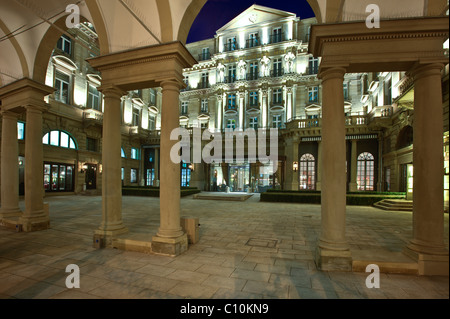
<point x="307" y="172"/>
<point x="365" y="177"/>
<point x="122" y="153"/>
<point x="60" y="139"/>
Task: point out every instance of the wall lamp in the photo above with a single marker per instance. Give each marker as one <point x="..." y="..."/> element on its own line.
<point x="192" y="167"/>
<point x="83" y="167"/>
<point x="295" y="166"/>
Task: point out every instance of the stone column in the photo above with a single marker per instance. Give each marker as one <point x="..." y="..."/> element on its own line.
<point x="380" y="165"/>
<point x="34" y="218"/>
<point x="333" y="251"/>
<point x="241" y="111"/>
<point x="289" y="104"/>
<point x="170" y="239"/>
<point x="219" y="113"/>
<point x="9" y="211"/>
<point x="264" y="108"/>
<point x="353" y="186"/>
<point x="319" y="166"/>
<point x="427" y="245"/>
<point x="291" y="179"/>
<point x="112" y="224"/>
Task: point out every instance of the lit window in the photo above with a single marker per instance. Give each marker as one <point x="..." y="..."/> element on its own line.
<point x="313" y="93"/>
<point x="232" y="101"/>
<point x="20" y="130"/>
<point x="134" y="153"/>
<point x="231" y="124"/>
<point x="307" y="172"/>
<point x="276" y="121"/>
<point x="94" y="101"/>
<point x="62" y="83"/>
<point x="60" y="139"/>
<point x="254" y="123"/>
<point x="122" y="153"/>
<point x="65" y="44"/>
<point x="365" y="177"/>
<point x="133" y="175"/>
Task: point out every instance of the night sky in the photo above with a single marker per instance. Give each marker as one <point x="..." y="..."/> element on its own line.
<point x="216" y="13"/>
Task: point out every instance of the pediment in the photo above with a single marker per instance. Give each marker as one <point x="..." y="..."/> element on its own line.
<point x="255" y="15"/>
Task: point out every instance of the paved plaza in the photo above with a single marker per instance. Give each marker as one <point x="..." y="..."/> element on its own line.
<point x="247" y="250"/>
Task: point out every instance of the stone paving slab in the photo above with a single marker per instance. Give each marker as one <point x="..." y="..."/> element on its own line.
<point x="247" y="250"/>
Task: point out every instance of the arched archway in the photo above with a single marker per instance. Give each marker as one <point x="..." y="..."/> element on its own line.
<point x="405" y="137"/>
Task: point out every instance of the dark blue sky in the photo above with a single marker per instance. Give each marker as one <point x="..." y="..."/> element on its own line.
<point x="216" y="13"/>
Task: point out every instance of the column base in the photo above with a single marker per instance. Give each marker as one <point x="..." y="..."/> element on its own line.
<point x="10" y="213"/>
<point x="9" y="218"/>
<point x="169" y="246"/>
<point x="352" y="187"/>
<point x="430" y="264"/>
<point x="32" y="224"/>
<point x="104" y="237"/>
<point x="333" y="260"/>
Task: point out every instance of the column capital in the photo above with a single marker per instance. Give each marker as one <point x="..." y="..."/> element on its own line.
<point x="111" y="91"/>
<point x="171" y="85"/>
<point x="9" y="114"/>
<point x="423" y="70"/>
<point x="332" y="73"/>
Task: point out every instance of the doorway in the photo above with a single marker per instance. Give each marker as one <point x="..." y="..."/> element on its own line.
<point x="91" y="176"/>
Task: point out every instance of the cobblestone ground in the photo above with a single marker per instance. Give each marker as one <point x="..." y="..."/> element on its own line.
<point x="246" y="250"/>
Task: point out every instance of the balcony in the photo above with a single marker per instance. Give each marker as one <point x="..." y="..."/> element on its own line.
<point x="252" y="43"/>
<point x="230" y="47"/>
<point x="277" y="72"/>
<point x="380" y="116"/>
<point x="203" y="85"/>
<point x="304" y="123"/>
<point x="276" y="38"/>
<point x="92" y="117"/>
<point x="252" y="76"/>
<point x="204" y="56"/>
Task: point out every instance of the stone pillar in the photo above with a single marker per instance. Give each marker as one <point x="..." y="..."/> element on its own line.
<point x="289" y="104"/>
<point x="380" y="165"/>
<point x="112" y="224"/>
<point x="9" y="211"/>
<point x="219" y="116"/>
<point x="427" y="245"/>
<point x="264" y="122"/>
<point x="241" y="111"/>
<point x="34" y="217"/>
<point x="170" y="239"/>
<point x="291" y="179"/>
<point x="333" y="252"/>
<point x="353" y="186"/>
<point x="319" y="166"/>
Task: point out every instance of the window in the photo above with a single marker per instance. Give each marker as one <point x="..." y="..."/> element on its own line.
<point x="387" y="178"/>
<point x="205" y="54"/>
<point x="254" y="123"/>
<point x="276" y="35"/>
<point x="313" y="65"/>
<point x="150" y="177"/>
<point x="122" y="173"/>
<point x="346" y="91"/>
<point x="204" y="107"/>
<point x="122" y="153"/>
<point x="253" y="40"/>
<point x="59" y="139"/>
<point x="134" y="153"/>
<point x="365" y="177"/>
<point x="153" y="96"/>
<point x="204" y="125"/>
<point x="231" y="44"/>
<point x="313" y="94"/>
<point x="231" y="101"/>
<point x="62" y="83"/>
<point x="185" y="175"/>
<point x="94" y="101"/>
<point x="231" y="73"/>
<point x="205" y="81"/>
<point x="276" y="121"/>
<point x="277" y="67"/>
<point x="231" y="124"/>
<point x="58" y="177"/>
<point x="151" y="122"/>
<point x="135" y="119"/>
<point x="91" y="144"/>
<point x="388" y="92"/>
<point x="20" y="130"/>
<point x="307" y="172"/>
<point x="278" y="95"/>
<point x="184" y="108"/>
<point x="133" y="175"/>
<point x="254" y="98"/>
<point x="65" y="44"/>
<point x="253" y="72"/>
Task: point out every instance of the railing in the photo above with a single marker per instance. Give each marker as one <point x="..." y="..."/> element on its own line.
<point x="277" y="72"/>
<point x="204" y="56"/>
<point x="405" y="83"/>
<point x="230" y="47"/>
<point x="203" y="85"/>
<point x="305" y="123"/>
<point x="276" y="38"/>
<point x="252" y="43"/>
<point x="252" y="76"/>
